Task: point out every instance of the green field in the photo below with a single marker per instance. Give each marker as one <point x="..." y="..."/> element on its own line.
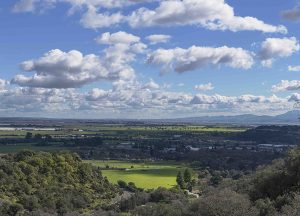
<point x="116" y="129"/>
<point x="145" y="175"/>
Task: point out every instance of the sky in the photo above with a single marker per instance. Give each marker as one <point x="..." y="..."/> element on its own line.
<point x="148" y="59"/>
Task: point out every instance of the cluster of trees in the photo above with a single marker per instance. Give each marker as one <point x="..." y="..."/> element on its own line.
<point x="185" y="181"/>
<point x="53" y="183"/>
<point x="272" y="134"/>
<point x="30" y="136"/>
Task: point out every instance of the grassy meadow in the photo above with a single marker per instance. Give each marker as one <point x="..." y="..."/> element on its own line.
<point x="145" y="175"/>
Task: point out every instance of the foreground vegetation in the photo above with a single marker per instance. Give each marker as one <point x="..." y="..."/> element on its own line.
<point x="50" y="182"/>
<point x="44" y="184"/>
<point x="270" y="191"/>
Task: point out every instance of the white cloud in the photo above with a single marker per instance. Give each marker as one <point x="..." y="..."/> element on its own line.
<point x="118" y="37"/>
<point x="294" y="68"/>
<point x="273" y="48"/>
<point x="3" y="84"/>
<point x="131" y="99"/>
<point x="234" y="102"/>
<point x="96" y="94"/>
<point x="212" y="99"/>
<point x="195" y="57"/>
<point x="213" y="14"/>
<point x="35" y="100"/>
<point x="286" y="85"/>
<point x="92" y="19"/>
<point x="295" y="97"/>
<point x="158" y="38"/>
<point x="33" y="5"/>
<point x="151" y="85"/>
<point x="204" y="87"/>
<point x="58" y="69"/>
<point x="108" y="4"/>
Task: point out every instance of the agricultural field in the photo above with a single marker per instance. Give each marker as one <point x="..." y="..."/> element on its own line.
<point x="148" y="175"/>
<point x="107" y="129"/>
<point x="157" y="128"/>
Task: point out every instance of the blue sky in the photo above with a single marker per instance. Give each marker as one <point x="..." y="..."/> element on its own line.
<point x="251" y="75"/>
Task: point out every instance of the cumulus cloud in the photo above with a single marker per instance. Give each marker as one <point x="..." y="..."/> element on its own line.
<point x="32" y="5"/>
<point x="158" y="38"/>
<point x="294" y="68"/>
<point x="273" y="48"/>
<point x="286" y="85"/>
<point x="292" y="14"/>
<point x="59" y="69"/>
<point x="204" y="87"/>
<point x="136" y="96"/>
<point x="151" y="85"/>
<point x="213" y="14"/>
<point x="127" y="98"/>
<point x="294" y="97"/>
<point x="3" y="84"/>
<point x="182" y="60"/>
<point x="93" y="15"/>
<point x="235" y="101"/>
<point x="92" y="19"/>
<point x="34" y="100"/>
<point x="108" y="4"/>
<point x="118" y="37"/>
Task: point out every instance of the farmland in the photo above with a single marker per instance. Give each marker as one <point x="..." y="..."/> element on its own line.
<point x="234" y="147"/>
<point x="62" y="136"/>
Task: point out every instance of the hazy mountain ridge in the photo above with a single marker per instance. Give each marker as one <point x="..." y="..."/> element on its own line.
<point x="291" y="117"/>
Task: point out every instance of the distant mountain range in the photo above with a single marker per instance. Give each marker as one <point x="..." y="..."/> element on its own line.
<point x="291" y="118"/>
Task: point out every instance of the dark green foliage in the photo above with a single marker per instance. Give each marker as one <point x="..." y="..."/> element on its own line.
<point x="28" y="135"/>
<point x="223" y="202"/>
<point x="51" y="182"/>
<point x="164" y="195"/>
<point x="278" y="179"/>
<point x="179" y="180"/>
<point x="158" y="209"/>
<point x="215" y="179"/>
<point x="187" y="176"/>
<point x="122" y="184"/>
<point x="272" y="134"/>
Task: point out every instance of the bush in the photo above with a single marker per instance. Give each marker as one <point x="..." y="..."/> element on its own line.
<point x="122" y="184"/>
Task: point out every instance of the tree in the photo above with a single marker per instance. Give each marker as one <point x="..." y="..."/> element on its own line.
<point x="38" y="136"/>
<point x="223" y="202"/>
<point x="179" y="180"/>
<point x="187" y="176"/>
<point x="28" y="135"/>
<point x="122" y="184"/>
